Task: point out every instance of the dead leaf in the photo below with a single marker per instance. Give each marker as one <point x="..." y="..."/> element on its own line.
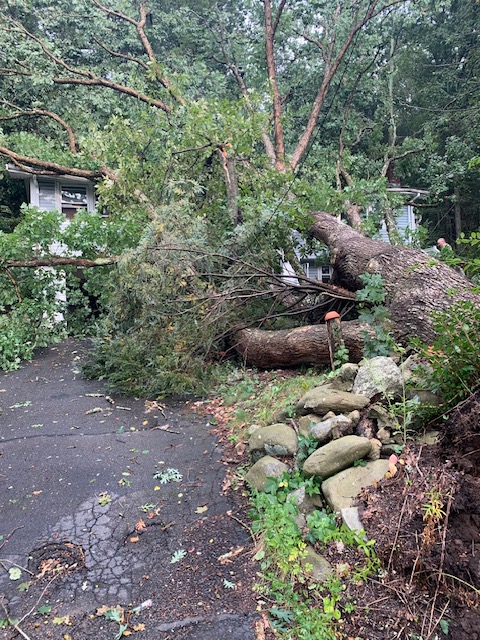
<point x="101" y="611"/>
<point x="227" y="483"/>
<point x="226" y="558"/>
<point x="140" y="526"/>
<point x="47" y="565"/>
<point x="392" y="466"/>
<point x="240" y="449"/>
<point x="152" y="514"/>
<point x="134" y="539"/>
<point x="139" y="627"/>
<point x="36" y="493"/>
<point x="201" y="509"/>
<point x="95" y="410"/>
<point x="259" y="630"/>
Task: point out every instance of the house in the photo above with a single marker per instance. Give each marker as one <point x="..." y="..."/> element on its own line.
<point x="61" y="193"/>
<point x="57" y="193"/>
<point x="407" y="222"/>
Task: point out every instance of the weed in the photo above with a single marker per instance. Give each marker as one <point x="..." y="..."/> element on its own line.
<point x="433" y="514"/>
<point x="104" y="499"/>
<point x="452" y="361"/>
<point x="304" y="609"/>
<point x="374" y="313"/>
<point x="306" y="446"/>
<point x="148" y="506"/>
<point x="170" y="475"/>
<point x="262" y="400"/>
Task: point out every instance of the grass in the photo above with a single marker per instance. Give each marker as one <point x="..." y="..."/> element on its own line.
<point x="264" y="398"/>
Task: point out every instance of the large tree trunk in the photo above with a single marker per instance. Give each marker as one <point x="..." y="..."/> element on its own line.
<point x="416" y="285"/>
<point x="291" y="347"/>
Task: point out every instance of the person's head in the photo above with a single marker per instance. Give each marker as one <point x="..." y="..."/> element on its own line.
<point x="441" y="242"/>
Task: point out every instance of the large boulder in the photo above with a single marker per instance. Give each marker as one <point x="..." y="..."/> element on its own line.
<point x="267" y="467"/>
<point x="275" y="439"/>
<point x="336" y="456"/>
<point x="342" y="489"/>
<point x="378" y="375"/>
<point x="323" y="399"/>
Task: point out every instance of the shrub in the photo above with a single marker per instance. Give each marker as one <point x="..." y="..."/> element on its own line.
<point x="452" y="361"/>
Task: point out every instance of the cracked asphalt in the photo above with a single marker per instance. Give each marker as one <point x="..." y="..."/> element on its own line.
<point x="99" y="494"/>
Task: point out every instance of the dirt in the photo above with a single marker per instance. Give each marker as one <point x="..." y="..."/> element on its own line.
<point x="426" y="523"/>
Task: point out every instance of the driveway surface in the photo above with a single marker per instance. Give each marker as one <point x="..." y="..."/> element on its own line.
<point x="107" y="503"/>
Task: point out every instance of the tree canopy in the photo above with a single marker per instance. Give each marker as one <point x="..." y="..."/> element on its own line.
<point x="245" y="116"/>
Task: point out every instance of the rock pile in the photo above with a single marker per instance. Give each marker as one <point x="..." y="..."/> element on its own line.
<point x="355" y="433"/>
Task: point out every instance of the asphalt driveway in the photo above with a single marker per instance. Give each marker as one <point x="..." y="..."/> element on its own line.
<point x="109" y="502"/>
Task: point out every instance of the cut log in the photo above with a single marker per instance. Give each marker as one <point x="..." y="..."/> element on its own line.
<point x="292" y="347"/>
<point x="415" y="283"/>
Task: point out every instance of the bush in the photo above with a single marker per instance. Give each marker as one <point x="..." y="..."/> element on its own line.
<point x="452" y="361"/>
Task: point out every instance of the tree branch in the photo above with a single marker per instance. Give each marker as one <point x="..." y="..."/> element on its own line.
<point x="140" y="27"/>
<point x="122" y="56"/>
<point x="398" y="156"/>
<point x="280" y="9"/>
<point x="36" y="166"/>
<point x="102" y="82"/>
<point x="34" y="113"/>
<point x="232" y="65"/>
<point x="88" y="78"/>
<point x="6" y="71"/>
<point x="57" y="261"/>
<point x="272" y="77"/>
<point x="330" y="71"/>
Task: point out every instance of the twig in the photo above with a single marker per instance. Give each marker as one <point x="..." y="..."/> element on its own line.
<point x="7" y="538"/>
<point x="2" y="560"/>
<point x="162" y="429"/>
<point x="14" y="625"/>
<point x="245" y="526"/>
<point x="431" y="628"/>
<point x="29" y="613"/>
<point x="397" y="533"/>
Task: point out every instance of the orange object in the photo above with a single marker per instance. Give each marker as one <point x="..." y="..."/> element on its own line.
<point x="331" y="315"/>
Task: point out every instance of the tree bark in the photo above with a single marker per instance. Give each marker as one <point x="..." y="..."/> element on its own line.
<point x="416" y="284"/>
<point x="58" y="261"/>
<point x="291" y="347"/>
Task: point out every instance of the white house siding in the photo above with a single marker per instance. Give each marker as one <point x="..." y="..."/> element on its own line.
<point x="405" y="220"/>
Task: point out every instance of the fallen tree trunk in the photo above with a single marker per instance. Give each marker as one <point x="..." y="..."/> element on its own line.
<point x="302" y="345"/>
<point x="416" y="284"/>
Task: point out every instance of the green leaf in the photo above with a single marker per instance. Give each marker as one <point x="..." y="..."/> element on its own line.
<point x="229" y="585"/>
<point x="44" y="609"/>
<point x="123" y="627"/>
<point x="178" y="555"/>
<point x="114" y="615"/>
<point x="14" y="573"/>
<point x="444" y="625"/>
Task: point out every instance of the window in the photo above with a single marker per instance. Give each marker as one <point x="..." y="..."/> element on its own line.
<point x="73" y="199"/>
<point x="67" y="197"/>
<point x="46" y="195"/>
